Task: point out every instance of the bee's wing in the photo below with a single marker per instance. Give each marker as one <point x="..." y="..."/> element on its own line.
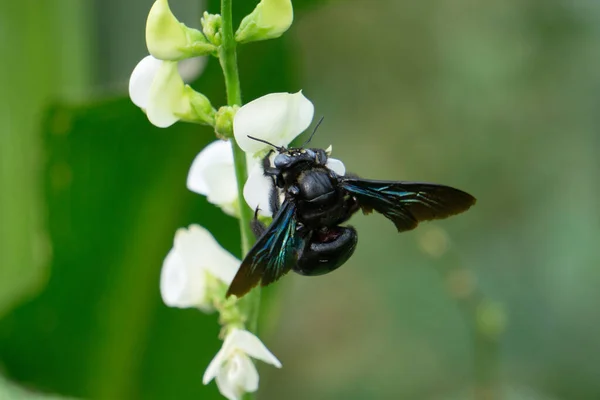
<point x="407" y="203"/>
<point x="273" y="255"/>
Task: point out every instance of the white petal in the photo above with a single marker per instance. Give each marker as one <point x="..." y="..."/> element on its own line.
<point x="232" y="209"/>
<point x="181" y="284"/>
<point x="336" y="166"/>
<point x="237" y="376"/>
<point x="213" y="368"/>
<point x="234" y="371"/>
<point x="251" y="345"/>
<point x="164" y="33"/>
<point x="217" y="153"/>
<point x="226" y="388"/>
<point x="222" y="184"/>
<point x="277" y="118"/>
<point x="167" y="97"/>
<point x="198" y="247"/>
<point x="141" y="79"/>
<point x="191" y="68"/>
<point x="248" y="377"/>
<point x="257" y="190"/>
<point x="228" y="380"/>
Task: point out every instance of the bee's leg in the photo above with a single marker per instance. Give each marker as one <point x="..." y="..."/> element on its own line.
<point x="267" y="167"/>
<point x="274" y="173"/>
<point x="258" y="228"/>
<point x="274" y="201"/>
<point x="266" y="161"/>
<point x="349" y="207"/>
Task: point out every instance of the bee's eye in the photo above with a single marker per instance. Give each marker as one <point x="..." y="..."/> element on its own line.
<point x="282" y="160"/>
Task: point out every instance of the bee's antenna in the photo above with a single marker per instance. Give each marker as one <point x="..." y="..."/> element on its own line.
<point x="278" y="148"/>
<point x="313" y="132"/>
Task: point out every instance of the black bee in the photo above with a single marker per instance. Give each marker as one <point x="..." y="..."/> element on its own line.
<point x="305" y="235"/>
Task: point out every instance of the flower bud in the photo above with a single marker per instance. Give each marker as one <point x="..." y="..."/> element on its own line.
<point x="211" y="26"/>
<point x="201" y="111"/>
<point x="269" y="20"/>
<point x="224" y="121"/>
<point x="169" y="39"/>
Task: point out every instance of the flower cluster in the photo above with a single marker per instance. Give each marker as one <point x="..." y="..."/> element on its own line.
<point x="156" y="84"/>
<point x="196" y="273"/>
<point x="197" y="270"/>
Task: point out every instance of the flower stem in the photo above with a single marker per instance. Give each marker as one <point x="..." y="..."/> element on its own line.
<point x="228" y="59"/>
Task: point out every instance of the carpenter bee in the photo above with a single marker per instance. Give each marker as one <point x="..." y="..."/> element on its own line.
<point x="306" y="235"/>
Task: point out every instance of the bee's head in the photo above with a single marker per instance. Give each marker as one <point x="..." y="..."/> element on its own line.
<point x="289" y="158"/>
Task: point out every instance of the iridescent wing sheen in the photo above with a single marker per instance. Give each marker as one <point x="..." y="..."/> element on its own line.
<point x="407" y="203"/>
<point x="273" y="255"/>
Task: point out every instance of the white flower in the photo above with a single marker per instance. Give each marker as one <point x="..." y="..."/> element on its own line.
<point x="194" y="260"/>
<point x="277" y="118"/>
<point x="234" y="371"/>
<point x="169" y="39"/>
<point x="212" y="174"/>
<point x="257" y="190"/>
<point x="270" y="19"/>
<point x="157" y="88"/>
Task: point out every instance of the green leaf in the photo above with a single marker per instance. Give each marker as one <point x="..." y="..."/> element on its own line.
<point x="9" y="390"/>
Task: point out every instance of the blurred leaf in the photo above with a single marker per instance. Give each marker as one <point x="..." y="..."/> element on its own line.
<point x="26" y="86"/>
<point x="10" y="391"/>
<point x="116" y="193"/>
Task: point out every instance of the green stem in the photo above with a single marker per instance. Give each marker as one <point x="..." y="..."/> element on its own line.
<point x="228" y="59"/>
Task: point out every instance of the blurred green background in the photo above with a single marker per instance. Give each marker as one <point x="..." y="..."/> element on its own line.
<point x="499" y="98"/>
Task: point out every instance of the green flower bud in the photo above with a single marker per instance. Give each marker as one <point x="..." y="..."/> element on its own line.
<point x="224" y="121"/>
<point x="169" y="39"/>
<point x="211" y="26"/>
<point x="200" y="110"/>
<point x="269" y="20"/>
